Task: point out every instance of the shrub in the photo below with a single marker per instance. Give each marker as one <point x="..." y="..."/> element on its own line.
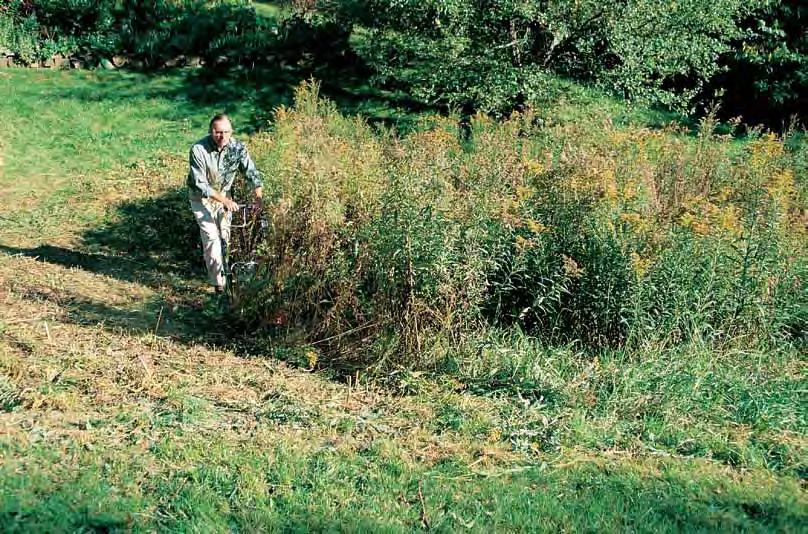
<point x="158" y="31"/>
<point x="153" y="32"/>
<point x="397" y="248"/>
<point x="21" y="35"/>
<point x="495" y="56"/>
<point x="765" y="78"/>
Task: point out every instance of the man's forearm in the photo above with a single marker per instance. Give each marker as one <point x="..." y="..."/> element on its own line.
<point x="228" y="203"/>
<point x="218" y="196"/>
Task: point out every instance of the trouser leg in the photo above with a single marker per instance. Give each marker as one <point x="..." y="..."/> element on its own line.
<point x="225" y="218"/>
<point x="214" y="230"/>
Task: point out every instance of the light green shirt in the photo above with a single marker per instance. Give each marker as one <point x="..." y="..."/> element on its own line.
<point x="215" y="170"/>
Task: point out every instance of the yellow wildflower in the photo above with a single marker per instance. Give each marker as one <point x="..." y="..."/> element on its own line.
<point x="535" y="226"/>
<point x="609" y="184"/>
<point x="533" y="166"/>
<point x="521" y="242"/>
<point x="728" y="220"/>
<point x="571" y="267"/>
<point x="311" y="358"/>
<point x="639" y="264"/>
<point x="631" y="218"/>
<point x="523" y="192"/>
<point x="781" y="184"/>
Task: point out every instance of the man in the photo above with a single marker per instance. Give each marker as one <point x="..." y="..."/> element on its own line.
<point x="215" y="160"/>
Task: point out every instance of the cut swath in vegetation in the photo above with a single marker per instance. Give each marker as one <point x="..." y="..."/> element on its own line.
<point x="132" y="411"/>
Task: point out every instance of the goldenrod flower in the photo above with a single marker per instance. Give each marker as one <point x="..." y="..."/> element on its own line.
<point x="535" y="226"/>
<point x="571" y="268"/>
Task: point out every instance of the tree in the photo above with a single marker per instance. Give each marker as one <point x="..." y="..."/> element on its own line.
<point x="495" y="54"/>
<point x="766" y="74"/>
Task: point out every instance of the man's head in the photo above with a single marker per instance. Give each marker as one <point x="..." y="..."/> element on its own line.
<point x="221" y="130"/>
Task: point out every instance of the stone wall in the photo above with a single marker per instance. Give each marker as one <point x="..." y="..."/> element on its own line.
<point x="56" y="62"/>
<point x="59" y="61"/>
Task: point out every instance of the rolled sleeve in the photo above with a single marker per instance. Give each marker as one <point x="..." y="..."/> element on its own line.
<point x="198" y="177"/>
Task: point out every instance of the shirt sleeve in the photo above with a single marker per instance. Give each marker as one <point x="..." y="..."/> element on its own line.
<point x="199" y="177"/>
<point x="248" y="166"/>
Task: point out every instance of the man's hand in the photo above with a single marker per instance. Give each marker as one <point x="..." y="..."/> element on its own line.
<point x="259" y="196"/>
<point x="228" y="203"/>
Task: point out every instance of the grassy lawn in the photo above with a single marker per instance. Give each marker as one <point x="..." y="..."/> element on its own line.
<point x="269" y="10"/>
<point x="124" y="407"/>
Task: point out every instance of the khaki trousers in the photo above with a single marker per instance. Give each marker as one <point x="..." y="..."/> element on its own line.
<point x="214" y="229"/>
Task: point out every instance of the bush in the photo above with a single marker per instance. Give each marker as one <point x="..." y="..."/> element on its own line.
<point x="158" y="31"/>
<point x="397" y="248"/>
<point x="495" y="56"/>
<point x="765" y="79"/>
<point x="75" y="17"/>
<point x="153" y="32"/>
<point x="22" y="34"/>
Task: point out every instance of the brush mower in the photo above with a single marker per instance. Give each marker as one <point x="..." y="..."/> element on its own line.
<point x="248" y="228"/>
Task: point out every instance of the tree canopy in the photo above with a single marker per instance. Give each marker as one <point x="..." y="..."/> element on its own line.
<point x="750" y="56"/>
<point x="494" y="55"/>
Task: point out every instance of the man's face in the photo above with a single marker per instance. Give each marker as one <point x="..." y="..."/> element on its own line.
<point x="221" y="132"/>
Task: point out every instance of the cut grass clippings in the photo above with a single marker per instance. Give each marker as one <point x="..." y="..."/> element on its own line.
<point x="123" y="406"/>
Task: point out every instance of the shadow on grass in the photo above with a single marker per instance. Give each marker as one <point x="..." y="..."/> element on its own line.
<point x="152" y="242"/>
<point x="263" y="89"/>
<point x="260" y="90"/>
<point x="251" y="95"/>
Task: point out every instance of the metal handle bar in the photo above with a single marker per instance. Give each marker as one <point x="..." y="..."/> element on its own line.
<point x="244" y="209"/>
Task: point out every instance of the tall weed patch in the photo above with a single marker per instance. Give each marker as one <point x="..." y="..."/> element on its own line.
<point x="396" y="248"/>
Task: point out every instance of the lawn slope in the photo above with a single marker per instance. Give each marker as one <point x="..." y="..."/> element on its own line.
<point x="125" y="405"/>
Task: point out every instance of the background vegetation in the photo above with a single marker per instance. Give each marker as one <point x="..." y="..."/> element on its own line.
<point x="746" y="58"/>
<point x="575" y="313"/>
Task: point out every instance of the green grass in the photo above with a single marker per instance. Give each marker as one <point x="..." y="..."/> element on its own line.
<point x="76" y="137"/>
<point x="251" y="488"/>
<point x="268" y="10"/>
<point x="126" y="409"/>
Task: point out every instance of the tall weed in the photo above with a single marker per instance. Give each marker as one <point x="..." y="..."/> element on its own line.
<point x="599" y="236"/>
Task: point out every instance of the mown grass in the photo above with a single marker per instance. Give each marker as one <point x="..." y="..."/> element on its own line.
<point x="92" y="133"/>
<point x="269" y="10"/>
<point x="124" y="406"/>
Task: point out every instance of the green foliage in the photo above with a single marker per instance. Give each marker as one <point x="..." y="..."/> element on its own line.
<point x="158" y="31"/>
<point x="313" y="38"/>
<point x="9" y="396"/>
<point x="20" y="34"/>
<point x="386" y="247"/>
<point x="766" y="78"/>
<point x="665" y="51"/>
<point x="74" y="17"/>
<point x="18" y="37"/>
<point x="153" y="33"/>
<point x="494" y="56"/>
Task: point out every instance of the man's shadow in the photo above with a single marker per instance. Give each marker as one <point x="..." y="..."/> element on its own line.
<point x="153" y="242"/>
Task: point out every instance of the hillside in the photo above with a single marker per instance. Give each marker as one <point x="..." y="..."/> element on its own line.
<point x="128" y="403"/>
